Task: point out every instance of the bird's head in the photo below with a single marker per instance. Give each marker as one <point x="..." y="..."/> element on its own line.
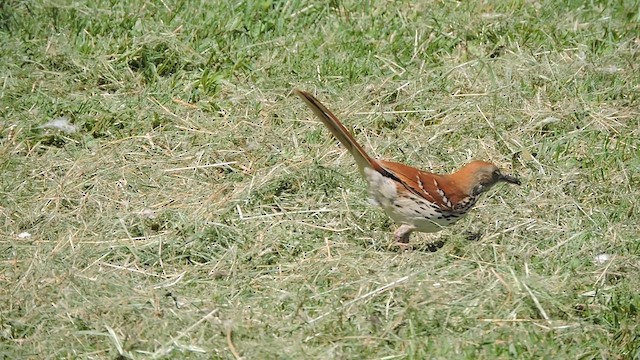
<point x="479" y="176"/>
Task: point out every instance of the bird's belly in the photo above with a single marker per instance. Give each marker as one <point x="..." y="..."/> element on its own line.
<point x="420" y="213"/>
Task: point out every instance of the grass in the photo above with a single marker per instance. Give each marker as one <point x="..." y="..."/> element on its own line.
<point x="201" y="211"/>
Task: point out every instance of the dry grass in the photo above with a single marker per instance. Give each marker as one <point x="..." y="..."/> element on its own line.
<point x="200" y="211"/>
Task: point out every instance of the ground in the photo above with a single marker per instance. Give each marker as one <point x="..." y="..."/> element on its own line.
<point x="163" y="194"/>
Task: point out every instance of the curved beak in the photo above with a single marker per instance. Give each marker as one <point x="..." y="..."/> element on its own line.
<point x="510" y="179"/>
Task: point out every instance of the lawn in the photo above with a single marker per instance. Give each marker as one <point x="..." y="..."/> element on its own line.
<point x="193" y="208"/>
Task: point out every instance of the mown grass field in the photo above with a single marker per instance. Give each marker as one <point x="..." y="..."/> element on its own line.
<point x="200" y="210"/>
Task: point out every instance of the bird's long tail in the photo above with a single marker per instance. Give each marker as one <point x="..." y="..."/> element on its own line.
<point x="339" y="131"/>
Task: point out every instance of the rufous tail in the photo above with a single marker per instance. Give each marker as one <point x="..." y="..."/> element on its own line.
<point x="339" y="131"/>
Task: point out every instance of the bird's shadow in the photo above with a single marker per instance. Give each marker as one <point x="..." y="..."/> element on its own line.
<point x="432" y="246"/>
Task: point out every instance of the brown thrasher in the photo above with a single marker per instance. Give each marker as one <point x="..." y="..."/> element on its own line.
<point x="416" y="199"/>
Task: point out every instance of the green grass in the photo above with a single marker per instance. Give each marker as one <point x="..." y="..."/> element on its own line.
<point x="201" y="211"/>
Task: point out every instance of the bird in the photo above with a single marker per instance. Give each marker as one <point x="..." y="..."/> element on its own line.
<point x="417" y="200"/>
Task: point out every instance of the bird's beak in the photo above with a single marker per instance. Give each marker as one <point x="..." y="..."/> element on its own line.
<point x="510" y="179"/>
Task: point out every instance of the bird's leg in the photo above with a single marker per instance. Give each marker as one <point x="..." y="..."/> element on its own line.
<point x="402" y="235"/>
